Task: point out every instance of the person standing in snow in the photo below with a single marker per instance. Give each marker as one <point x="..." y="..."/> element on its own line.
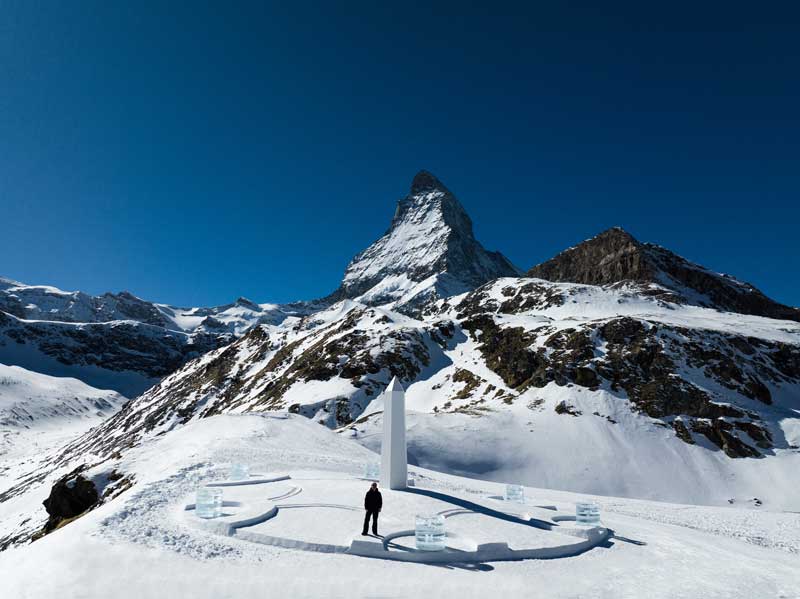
<point x="373" y="502"/>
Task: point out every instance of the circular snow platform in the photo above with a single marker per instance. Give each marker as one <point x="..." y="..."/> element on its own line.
<point x="324" y="513"/>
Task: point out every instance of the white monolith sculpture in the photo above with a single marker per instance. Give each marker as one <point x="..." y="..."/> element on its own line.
<point x="394" y="459"/>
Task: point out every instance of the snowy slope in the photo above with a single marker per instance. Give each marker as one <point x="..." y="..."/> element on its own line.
<point x="142" y="543"/>
<point x="38" y="413"/>
<point x="565" y="378"/>
<point x="30" y="400"/>
<point x="706" y="401"/>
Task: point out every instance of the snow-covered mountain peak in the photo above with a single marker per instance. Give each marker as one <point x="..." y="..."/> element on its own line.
<point x="430" y="234"/>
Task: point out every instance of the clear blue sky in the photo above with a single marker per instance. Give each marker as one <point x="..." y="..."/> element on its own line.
<point x="192" y="154"/>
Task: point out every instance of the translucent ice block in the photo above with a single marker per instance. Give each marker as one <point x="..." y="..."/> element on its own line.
<point x="587" y="514"/>
<point x="515" y="493"/>
<point x="372" y="471"/>
<point x="430" y="533"/>
<point x="208" y="503"/>
<point x="239" y="472"/>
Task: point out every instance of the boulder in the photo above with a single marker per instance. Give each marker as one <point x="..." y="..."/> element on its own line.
<point x="69" y="497"/>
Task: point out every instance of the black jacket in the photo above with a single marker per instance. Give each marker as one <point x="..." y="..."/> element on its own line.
<point x="373" y="501"/>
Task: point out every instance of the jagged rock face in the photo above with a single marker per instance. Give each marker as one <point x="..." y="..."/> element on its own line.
<point x="615" y="256"/>
<point x="612" y="256"/>
<point x="430" y="234"/>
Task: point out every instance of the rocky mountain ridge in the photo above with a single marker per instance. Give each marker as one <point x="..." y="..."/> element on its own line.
<point x="615" y="256"/>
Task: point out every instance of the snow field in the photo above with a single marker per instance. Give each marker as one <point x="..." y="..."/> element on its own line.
<point x="660" y="549"/>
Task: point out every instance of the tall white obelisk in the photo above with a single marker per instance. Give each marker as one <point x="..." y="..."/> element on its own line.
<point x="394" y="458"/>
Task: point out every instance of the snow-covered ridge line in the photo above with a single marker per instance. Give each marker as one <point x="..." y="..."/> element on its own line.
<point x="45" y="303"/>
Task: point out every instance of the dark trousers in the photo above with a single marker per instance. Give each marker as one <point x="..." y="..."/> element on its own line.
<point x="374" y="514"/>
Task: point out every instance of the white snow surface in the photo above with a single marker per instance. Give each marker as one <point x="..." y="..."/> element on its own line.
<point x="418" y="240"/>
<point x="38" y="412"/>
<point x="141" y="544"/>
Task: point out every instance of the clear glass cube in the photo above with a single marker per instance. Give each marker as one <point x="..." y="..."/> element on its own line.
<point x="515" y="493"/>
<point x="587" y="514"/>
<point x="430" y="532"/>
<point x="208" y="502"/>
<point x="239" y="472"/>
<point x="372" y="471"/>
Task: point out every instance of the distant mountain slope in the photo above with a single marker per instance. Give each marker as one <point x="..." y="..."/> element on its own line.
<point x="29" y="399"/>
<point x="615" y="256"/>
<point x="39" y="412"/>
<point x="127" y="356"/>
<point x="115" y="341"/>
<point x="430" y="238"/>
<point x="42" y="302"/>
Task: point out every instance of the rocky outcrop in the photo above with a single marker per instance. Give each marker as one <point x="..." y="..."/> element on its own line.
<point x="70" y="497"/>
<point x="615" y="256"/>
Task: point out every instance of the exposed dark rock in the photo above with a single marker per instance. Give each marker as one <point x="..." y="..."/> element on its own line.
<point x="586" y="377"/>
<point x="424" y="181"/>
<point x="622" y="330"/>
<point x="758" y="390"/>
<point x="719" y="432"/>
<point x="682" y="432"/>
<point x="564" y="408"/>
<point x="506" y="352"/>
<point x="471" y="380"/>
<point x="758" y="434"/>
<point x="69" y="497"/>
